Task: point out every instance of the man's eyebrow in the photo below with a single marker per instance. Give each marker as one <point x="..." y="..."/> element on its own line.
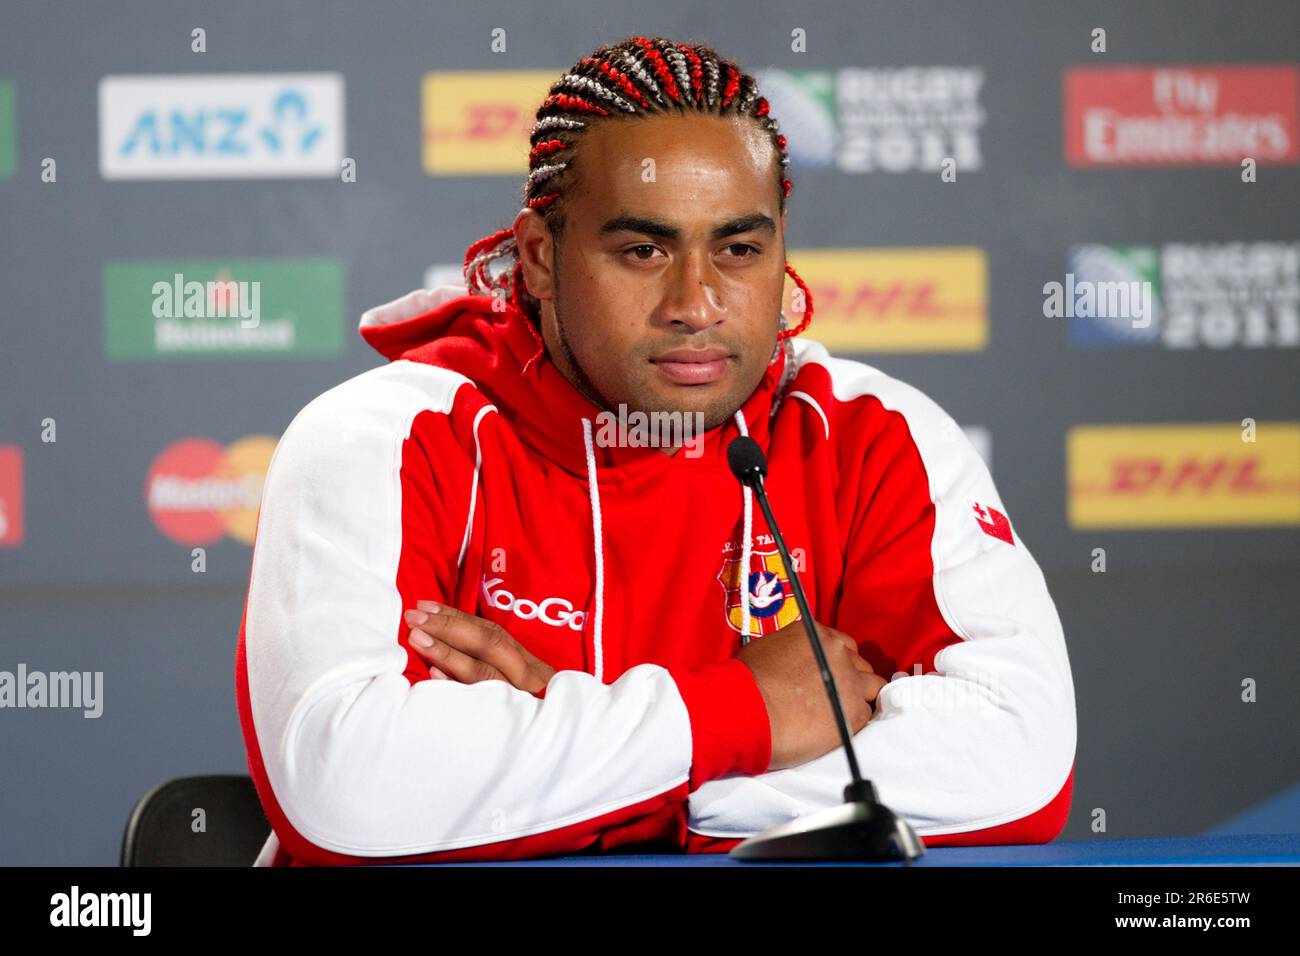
<point x="647" y="225"/>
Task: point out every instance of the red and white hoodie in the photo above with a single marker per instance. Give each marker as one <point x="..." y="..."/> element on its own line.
<point x="453" y="475"/>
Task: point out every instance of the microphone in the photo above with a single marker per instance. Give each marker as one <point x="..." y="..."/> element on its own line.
<point x="862" y="828"/>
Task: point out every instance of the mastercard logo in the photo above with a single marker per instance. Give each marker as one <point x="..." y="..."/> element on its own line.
<point x="198" y="490"/>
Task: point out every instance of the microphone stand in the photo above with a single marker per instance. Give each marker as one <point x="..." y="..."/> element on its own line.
<point x="862" y="828"/>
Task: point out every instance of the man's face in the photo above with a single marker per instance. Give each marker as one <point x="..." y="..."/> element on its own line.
<point x="666" y="292"/>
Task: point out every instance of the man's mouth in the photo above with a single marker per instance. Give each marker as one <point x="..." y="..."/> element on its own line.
<point x="692" y="366"/>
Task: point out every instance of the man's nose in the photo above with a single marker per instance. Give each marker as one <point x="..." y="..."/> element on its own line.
<point x="692" y="300"/>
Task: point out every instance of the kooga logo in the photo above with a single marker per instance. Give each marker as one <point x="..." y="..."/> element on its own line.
<point x="557" y="612"/>
<point x="221" y="126"/>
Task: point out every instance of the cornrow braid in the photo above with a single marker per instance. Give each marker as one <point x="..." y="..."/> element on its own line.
<point x="638" y="76"/>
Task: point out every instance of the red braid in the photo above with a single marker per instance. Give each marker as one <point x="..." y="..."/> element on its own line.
<point x="479" y="274"/>
<point x="808" y="305"/>
<point x="572" y="103"/>
<point x="545" y="149"/>
<point x="521" y="286"/>
<point x="635" y="77"/>
<point x="697" y="70"/>
<point x="624" y="84"/>
<point x="733" y="84"/>
<point x="656" y="59"/>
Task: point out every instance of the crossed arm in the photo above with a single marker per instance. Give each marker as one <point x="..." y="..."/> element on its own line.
<point x="973" y="737"/>
<point x="352" y="756"/>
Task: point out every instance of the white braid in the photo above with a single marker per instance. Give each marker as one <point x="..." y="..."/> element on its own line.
<point x="502" y="281"/>
<point x="677" y="59"/>
<point x="631" y="65"/>
<point x="585" y="84"/>
<point x="711" y="87"/>
<point x="543" y="173"/>
<point x="556" y="122"/>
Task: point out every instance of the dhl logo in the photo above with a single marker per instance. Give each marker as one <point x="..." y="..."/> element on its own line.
<point x="477" y="123"/>
<point x="881" y="302"/>
<point x="895" y="300"/>
<point x="1202" y="475"/>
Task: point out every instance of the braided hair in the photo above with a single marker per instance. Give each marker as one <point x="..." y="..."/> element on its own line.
<point x="635" y="77"/>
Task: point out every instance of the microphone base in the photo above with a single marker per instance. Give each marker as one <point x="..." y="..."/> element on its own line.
<point x="868" y="832"/>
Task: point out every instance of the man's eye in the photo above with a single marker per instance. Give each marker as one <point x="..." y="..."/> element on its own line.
<point x="744" y="245"/>
<point x="644" y="245"/>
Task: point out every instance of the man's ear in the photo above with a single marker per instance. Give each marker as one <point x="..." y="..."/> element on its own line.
<point x="534" y="242"/>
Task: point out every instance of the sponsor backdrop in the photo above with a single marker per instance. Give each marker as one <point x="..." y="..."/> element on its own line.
<point x="1075" y="229"/>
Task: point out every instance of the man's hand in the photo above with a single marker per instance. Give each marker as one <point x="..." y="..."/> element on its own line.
<point x="803" y="725"/>
<point x="470" y="649"/>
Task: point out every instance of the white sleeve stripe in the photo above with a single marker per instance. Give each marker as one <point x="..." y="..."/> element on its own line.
<point x="991" y="735"/>
<point x="361" y="761"/>
<point x="813" y="402"/>
<point x="473" y="486"/>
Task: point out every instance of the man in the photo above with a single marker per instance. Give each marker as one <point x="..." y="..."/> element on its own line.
<point x="485" y="623"/>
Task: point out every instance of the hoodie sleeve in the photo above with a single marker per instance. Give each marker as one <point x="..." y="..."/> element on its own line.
<point x="355" y="753"/>
<point x="973" y="738"/>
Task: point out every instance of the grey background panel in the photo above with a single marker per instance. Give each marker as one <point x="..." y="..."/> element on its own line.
<point x="1159" y="644"/>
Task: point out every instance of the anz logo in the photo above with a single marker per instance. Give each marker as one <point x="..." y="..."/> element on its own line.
<point x="229" y="131"/>
<point x="221" y="125"/>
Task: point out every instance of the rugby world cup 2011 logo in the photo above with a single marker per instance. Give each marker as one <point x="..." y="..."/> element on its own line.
<point x="771" y="598"/>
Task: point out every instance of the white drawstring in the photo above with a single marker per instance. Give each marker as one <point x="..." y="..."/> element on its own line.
<point x="745" y="549"/>
<point x="594" y="490"/>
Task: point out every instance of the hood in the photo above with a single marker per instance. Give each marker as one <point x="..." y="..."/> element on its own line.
<point x="498" y="351"/>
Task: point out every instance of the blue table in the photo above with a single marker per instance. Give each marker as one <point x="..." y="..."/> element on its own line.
<point x="1272" y="849"/>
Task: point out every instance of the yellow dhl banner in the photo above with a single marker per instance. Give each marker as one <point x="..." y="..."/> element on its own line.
<point x="895" y="300"/>
<point x="1193" y="475"/>
<point x="477" y="123"/>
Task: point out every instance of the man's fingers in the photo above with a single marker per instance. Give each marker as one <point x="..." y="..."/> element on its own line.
<point x="849" y="644"/>
<point x="877" y="685"/>
<point x="472" y="635"/>
<point x="475" y="637"/>
<point x="452" y="662"/>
